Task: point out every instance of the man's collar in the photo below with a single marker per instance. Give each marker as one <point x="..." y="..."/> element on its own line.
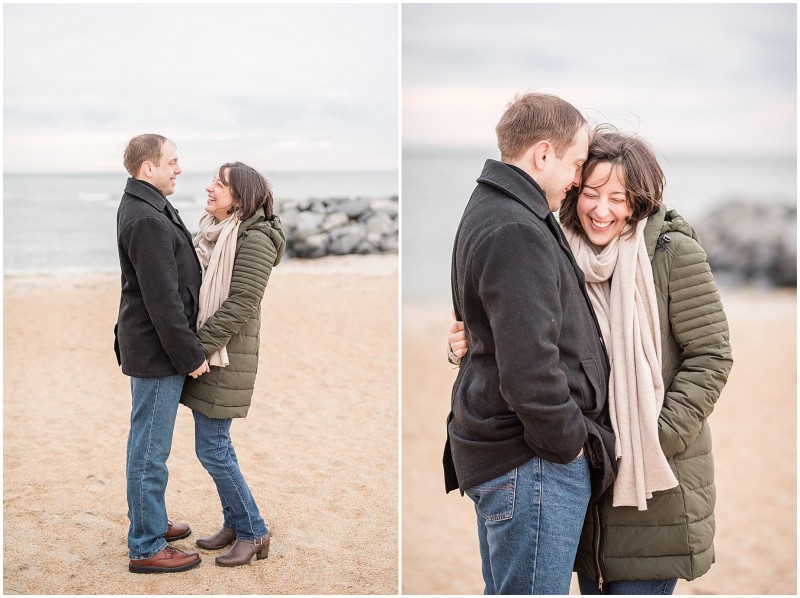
<point x="528" y="177"/>
<point x="518" y="184"/>
<point x="146" y="191"/>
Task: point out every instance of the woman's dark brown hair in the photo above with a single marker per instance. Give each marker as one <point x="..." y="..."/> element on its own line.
<point x="637" y="165"/>
<point x="249" y="189"/>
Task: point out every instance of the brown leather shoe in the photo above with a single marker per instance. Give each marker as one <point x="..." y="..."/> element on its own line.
<point x="243" y="552"/>
<point x="219" y="540"/>
<point x="169" y="560"/>
<point x="177" y="531"/>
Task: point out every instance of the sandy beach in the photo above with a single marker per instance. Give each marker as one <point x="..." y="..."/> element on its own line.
<point x="319" y="447"/>
<point x="754" y="431"/>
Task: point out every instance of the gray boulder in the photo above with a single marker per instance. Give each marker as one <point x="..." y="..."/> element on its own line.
<point x="752" y="242"/>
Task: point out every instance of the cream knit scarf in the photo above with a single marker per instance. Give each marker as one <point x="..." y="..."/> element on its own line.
<point x="628" y="316"/>
<point x="215" y="246"/>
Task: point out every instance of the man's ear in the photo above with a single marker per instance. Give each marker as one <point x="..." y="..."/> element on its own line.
<point x="146" y="169"/>
<point x="541" y="154"/>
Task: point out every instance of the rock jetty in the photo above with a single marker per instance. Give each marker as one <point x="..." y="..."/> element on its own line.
<point x="339" y="226"/>
<point x="751" y="243"/>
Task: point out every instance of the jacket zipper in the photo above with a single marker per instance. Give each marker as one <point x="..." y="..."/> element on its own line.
<point x="598" y="530"/>
<point x="661" y="243"/>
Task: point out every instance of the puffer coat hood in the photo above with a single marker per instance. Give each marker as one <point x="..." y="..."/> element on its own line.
<point x="673" y="538"/>
<point x="274" y="230"/>
<point x="225" y="393"/>
<point x="662" y="222"/>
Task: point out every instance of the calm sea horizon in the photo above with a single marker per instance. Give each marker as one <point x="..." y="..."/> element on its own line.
<point x="66" y="222"/>
<point x="437" y="183"/>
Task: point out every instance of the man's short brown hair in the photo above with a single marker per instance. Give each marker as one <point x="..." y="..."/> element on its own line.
<point x="535" y="117"/>
<point x="141" y="149"/>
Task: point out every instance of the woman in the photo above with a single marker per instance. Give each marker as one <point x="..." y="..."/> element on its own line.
<point x="667" y="338"/>
<point x="239" y="242"/>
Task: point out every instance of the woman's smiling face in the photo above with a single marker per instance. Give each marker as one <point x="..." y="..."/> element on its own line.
<point x="220" y="199"/>
<point x="602" y="206"/>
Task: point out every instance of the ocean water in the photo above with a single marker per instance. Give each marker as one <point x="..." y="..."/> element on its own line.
<point x="436" y="186"/>
<point x="67" y="222"/>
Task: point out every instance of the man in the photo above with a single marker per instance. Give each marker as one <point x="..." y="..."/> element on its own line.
<point x="155" y="343"/>
<point x="529" y="435"/>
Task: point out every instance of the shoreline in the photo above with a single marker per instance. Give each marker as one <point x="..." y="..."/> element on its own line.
<point x="378" y="264"/>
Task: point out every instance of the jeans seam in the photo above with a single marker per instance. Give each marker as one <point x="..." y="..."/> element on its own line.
<point x="540" y="483"/>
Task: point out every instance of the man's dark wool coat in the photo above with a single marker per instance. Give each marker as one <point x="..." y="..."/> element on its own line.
<point x="161" y="277"/>
<point x="535" y="379"/>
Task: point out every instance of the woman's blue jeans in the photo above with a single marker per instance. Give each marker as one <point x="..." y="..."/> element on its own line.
<point x="214" y="448"/>
<point x="154" y="407"/>
<point x="529" y="524"/>
<point x="625" y="587"/>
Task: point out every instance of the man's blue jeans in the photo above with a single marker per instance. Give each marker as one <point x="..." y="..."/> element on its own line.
<point x="214" y="448"/>
<point x="153" y="412"/>
<point x="626" y="587"/>
<point x="529" y="524"/>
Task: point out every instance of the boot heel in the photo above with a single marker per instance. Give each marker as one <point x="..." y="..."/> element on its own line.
<point x="264" y="552"/>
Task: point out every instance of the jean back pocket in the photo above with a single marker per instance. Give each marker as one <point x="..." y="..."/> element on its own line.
<point x="494" y="500"/>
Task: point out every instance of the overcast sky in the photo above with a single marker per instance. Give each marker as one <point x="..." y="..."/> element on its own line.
<point x="283" y="87"/>
<point x="712" y="78"/>
<point x="315" y="87"/>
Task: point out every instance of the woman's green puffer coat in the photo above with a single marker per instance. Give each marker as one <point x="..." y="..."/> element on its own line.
<point x="225" y="393"/>
<point x="673" y="538"/>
